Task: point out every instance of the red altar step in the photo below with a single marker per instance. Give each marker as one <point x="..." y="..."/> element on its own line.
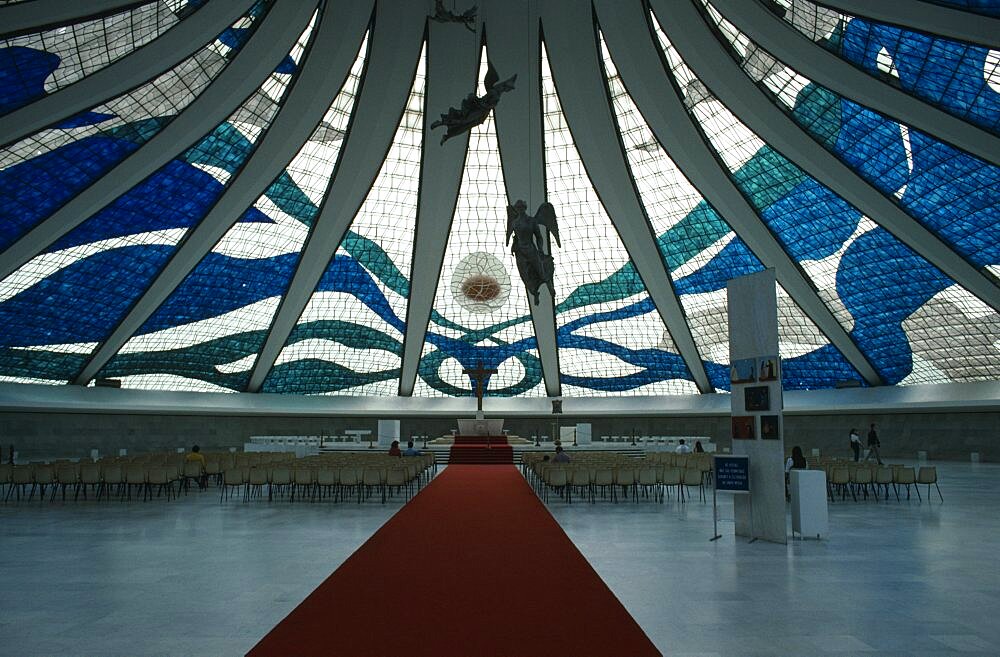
<point x="481" y="450"/>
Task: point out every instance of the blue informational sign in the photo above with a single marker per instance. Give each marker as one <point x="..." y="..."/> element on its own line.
<point x="732" y="473"/>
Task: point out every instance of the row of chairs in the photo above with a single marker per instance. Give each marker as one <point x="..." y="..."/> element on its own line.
<point x="359" y="481"/>
<point x="99" y="478"/>
<point x="168" y="474"/>
<point x="857" y="478"/>
<point x="633" y="478"/>
<point x="643" y="439"/>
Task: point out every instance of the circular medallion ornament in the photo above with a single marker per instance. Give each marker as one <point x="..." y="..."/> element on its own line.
<point x="480" y="283"/>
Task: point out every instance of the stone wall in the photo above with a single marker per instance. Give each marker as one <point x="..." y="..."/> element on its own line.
<point x="950" y="436"/>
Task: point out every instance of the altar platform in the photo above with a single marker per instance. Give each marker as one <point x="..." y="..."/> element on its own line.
<point x="441" y="447"/>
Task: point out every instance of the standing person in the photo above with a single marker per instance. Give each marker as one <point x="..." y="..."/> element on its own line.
<point x="873" y="445"/>
<point x="682" y="447"/>
<point x="195" y="456"/>
<point x="856" y="444"/>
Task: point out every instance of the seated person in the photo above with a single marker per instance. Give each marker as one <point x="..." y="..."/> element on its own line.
<point x="795" y="462"/>
<point x="394" y="449"/>
<point x="682" y="447"/>
<point x="698" y="447"/>
<point x="410" y="449"/>
<point x="195" y="456"/>
<point x="561" y="456"/>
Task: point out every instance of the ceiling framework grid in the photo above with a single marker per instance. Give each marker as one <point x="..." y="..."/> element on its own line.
<point x="207" y="333"/>
<point x="629" y="37"/>
<point x="349" y="338"/>
<point x="688" y="32"/>
<point x="40" y="173"/>
<point x="397" y="35"/>
<point x="855" y="266"/>
<point x="568" y="27"/>
<point x="50" y="59"/>
<point x="135" y="69"/>
<point x="958" y="77"/>
<point x="823" y="67"/>
<point x="950" y="192"/>
<point x="924" y="16"/>
<point x="255" y="61"/>
<point x="301" y="109"/>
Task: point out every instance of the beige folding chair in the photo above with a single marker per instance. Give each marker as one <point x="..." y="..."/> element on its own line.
<point x="625" y="477"/>
<point x="234" y="477"/>
<point x="135" y="476"/>
<point x="112" y="474"/>
<point x="280" y="481"/>
<point x="904" y="476"/>
<point x="928" y="475"/>
<point x="669" y="476"/>
<point x="66" y="475"/>
<point x="372" y="478"/>
<point x="42" y="477"/>
<point x="157" y="475"/>
<point x="256" y="480"/>
<point x="395" y="479"/>
<point x="691" y="477"/>
<point x="861" y="479"/>
<point x="328" y="482"/>
<point x="90" y="475"/>
<point x="648" y="480"/>
<point x="556" y="479"/>
<point x="350" y="480"/>
<point x="840" y="479"/>
<point x="21" y="476"/>
<point x="883" y="478"/>
<point x="191" y="470"/>
<point x="5" y="476"/>
<point x="604" y="481"/>
<point x="303" y="479"/>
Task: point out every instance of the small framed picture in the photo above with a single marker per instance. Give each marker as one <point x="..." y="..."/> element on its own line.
<point x="768" y="369"/>
<point x="742" y="371"/>
<point x="743" y="427"/>
<point x="770" y="427"/>
<point x="757" y="398"/>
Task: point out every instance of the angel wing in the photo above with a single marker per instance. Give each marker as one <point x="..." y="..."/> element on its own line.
<point x="491" y="76"/>
<point x="546" y="215"/>
<point x="511" y="215"/>
<point x="470" y="12"/>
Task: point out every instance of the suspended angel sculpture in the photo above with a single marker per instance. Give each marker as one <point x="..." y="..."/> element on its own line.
<point x="466" y="18"/>
<point x="474" y="109"/>
<point x="534" y="259"/>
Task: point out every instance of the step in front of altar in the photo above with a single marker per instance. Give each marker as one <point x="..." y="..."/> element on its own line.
<point x="481" y="452"/>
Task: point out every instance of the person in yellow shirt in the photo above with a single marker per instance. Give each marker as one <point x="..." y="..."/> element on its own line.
<point x="195" y="456"/>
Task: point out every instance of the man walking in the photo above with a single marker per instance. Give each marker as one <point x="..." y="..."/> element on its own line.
<point x="873" y="445"/>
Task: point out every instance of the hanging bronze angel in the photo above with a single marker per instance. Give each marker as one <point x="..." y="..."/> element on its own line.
<point x="474" y="109"/>
<point x="467" y="18"/>
<point x="533" y="256"/>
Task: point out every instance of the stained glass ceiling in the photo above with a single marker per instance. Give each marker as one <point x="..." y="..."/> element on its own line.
<point x="270" y="210"/>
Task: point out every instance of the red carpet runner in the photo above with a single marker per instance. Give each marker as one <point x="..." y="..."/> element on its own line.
<point x="483" y="450"/>
<point x="473" y="565"/>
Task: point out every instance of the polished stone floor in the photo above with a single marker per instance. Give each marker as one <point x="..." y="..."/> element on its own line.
<point x="194" y="577"/>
